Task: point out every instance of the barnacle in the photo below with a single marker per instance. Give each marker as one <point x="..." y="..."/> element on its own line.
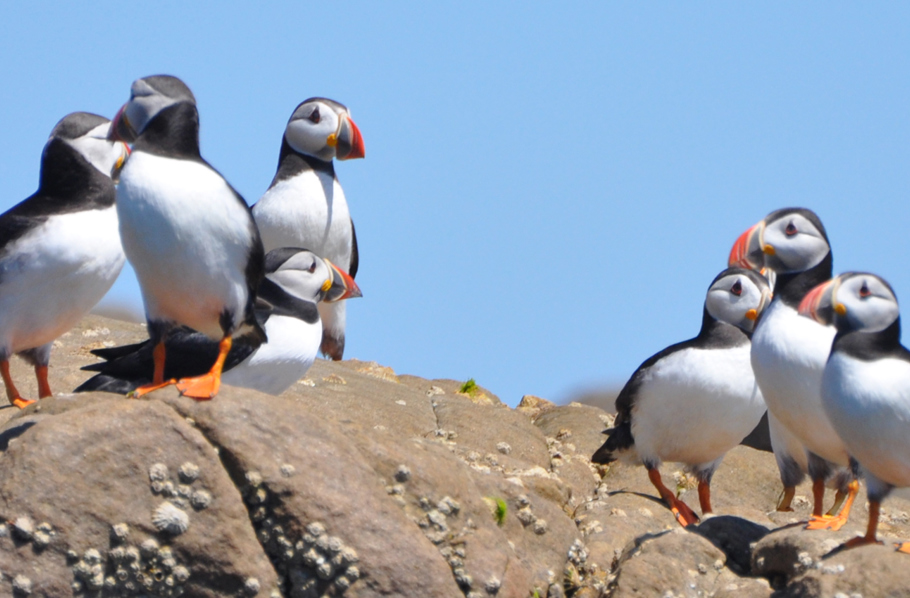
<point x="188" y="472"/>
<point x="168" y="518"/>
<point x="158" y="472"/>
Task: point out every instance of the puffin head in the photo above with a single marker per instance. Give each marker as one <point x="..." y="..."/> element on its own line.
<point x="88" y="134"/>
<point x="786" y="241"/>
<point x="307" y="276"/>
<point x="148" y="97"/>
<point x="738" y="296"/>
<point x="323" y="128"/>
<point x="853" y="301"/>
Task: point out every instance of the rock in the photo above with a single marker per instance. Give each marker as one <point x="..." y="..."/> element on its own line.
<point x="352" y="484"/>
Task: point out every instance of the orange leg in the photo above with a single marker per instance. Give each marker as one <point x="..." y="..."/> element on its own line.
<point x="205" y="387"/>
<point x="44" y="387"/>
<point x="681" y="510"/>
<point x="158" y="355"/>
<point x="838" y="501"/>
<point x="11" y="393"/>
<point x="818" y="497"/>
<point x="869" y="538"/>
<point x="836" y="522"/>
<point x="786" y="499"/>
<point x="704" y="497"/>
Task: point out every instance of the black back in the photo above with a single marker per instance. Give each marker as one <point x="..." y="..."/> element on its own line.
<point x="871" y="346"/>
<point x="714" y="334"/>
<point x="68" y="183"/>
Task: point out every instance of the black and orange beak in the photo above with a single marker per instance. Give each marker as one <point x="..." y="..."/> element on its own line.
<point x="121" y="129"/>
<point x="121" y="161"/>
<point x="348" y="140"/>
<point x="748" y="252"/>
<point x="342" y="286"/>
<point x="819" y="303"/>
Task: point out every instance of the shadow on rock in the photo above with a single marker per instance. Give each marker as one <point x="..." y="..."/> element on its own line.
<point x="734" y="536"/>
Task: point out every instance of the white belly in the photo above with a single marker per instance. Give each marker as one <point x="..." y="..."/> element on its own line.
<point x="52" y="276"/>
<point x="308" y="210"/>
<point x="188" y="239"/>
<point x="695" y="405"/>
<point x="789" y="352"/>
<point x="278" y="364"/>
<point x="869" y="405"/>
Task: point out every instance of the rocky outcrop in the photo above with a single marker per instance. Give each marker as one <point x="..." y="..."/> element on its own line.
<point x="359" y="482"/>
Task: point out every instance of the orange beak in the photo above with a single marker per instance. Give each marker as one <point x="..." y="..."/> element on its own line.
<point x="747" y="252"/>
<point x="817" y="304"/>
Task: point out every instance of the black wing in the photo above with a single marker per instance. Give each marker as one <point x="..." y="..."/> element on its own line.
<point x="355" y="255"/>
<point x="188" y="353"/>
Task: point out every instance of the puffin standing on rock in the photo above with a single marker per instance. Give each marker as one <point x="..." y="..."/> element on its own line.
<point x="305" y="205"/>
<point x="60" y="250"/>
<point x="866" y="382"/>
<point x="296" y="281"/>
<point x="695" y="400"/>
<point x="789" y="352"/>
<point x="188" y="234"/>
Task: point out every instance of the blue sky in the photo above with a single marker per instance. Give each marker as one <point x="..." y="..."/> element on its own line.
<point x="548" y="189"/>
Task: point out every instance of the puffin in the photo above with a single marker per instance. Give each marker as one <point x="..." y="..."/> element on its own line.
<point x="305" y="205"/>
<point x="789" y="351"/>
<point x="866" y="379"/>
<point x="695" y="400"/>
<point x="60" y="248"/>
<point x="188" y="234"/>
<point x="296" y="280"/>
<point x="789" y="453"/>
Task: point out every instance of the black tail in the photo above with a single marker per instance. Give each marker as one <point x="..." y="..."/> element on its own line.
<point x="618" y="438"/>
<point x="105" y="383"/>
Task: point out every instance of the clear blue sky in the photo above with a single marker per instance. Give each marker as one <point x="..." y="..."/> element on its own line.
<point x="548" y="191"/>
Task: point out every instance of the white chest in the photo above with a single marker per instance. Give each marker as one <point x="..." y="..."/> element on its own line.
<point x="695" y="405"/>
<point x="789" y="352"/>
<point x="308" y="210"/>
<point x="868" y="403"/>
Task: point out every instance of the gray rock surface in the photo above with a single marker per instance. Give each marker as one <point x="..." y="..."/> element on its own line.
<point x="360" y="482"/>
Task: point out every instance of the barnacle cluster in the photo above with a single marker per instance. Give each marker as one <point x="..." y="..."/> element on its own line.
<point x="128" y="570"/>
<point x="24" y="529"/>
<point x="527" y="517"/>
<point x="171" y="515"/>
<point x="315" y="564"/>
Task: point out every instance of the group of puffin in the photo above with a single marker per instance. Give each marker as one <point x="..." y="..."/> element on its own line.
<point x="247" y="296"/>
<point x="822" y="355"/>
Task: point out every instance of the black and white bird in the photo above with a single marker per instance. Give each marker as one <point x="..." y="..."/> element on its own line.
<point x="866" y="382"/>
<point x="188" y="234"/>
<point x="305" y="205"/>
<point x="695" y="400"/>
<point x="60" y="249"/>
<point x="789" y="352"/>
<point x="296" y="281"/>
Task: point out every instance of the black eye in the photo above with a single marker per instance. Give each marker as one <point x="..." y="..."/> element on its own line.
<point x="791" y="229"/>
<point x="312" y="268"/>
<point x="864" y="291"/>
<point x="737" y="288"/>
<point x="314" y="115"/>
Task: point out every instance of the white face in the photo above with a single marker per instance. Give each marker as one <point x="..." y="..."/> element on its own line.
<point x="303" y="275"/>
<point x="796" y="243"/>
<point x="101" y="153"/>
<point x="736" y="299"/>
<point x="311" y="125"/>
<point x="145" y="102"/>
<point x="865" y="302"/>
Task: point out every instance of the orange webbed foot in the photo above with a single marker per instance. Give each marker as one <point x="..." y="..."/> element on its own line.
<point x="860" y="541"/>
<point x="684" y="515"/>
<point x="147" y="388"/>
<point x="200" y="388"/>
<point x="22" y="403"/>
<point x="904" y="547"/>
<point x="827" y="522"/>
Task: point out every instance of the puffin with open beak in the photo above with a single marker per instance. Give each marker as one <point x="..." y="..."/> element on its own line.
<point x="296" y="281"/>
<point x="789" y="352"/>
<point x="867" y="379"/>
<point x="695" y="400"/>
<point x="305" y="205"/>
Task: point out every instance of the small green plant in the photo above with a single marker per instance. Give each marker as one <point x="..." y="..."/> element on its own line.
<point x="536" y="593"/>
<point x="469" y="388"/>
<point x="500" y="513"/>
